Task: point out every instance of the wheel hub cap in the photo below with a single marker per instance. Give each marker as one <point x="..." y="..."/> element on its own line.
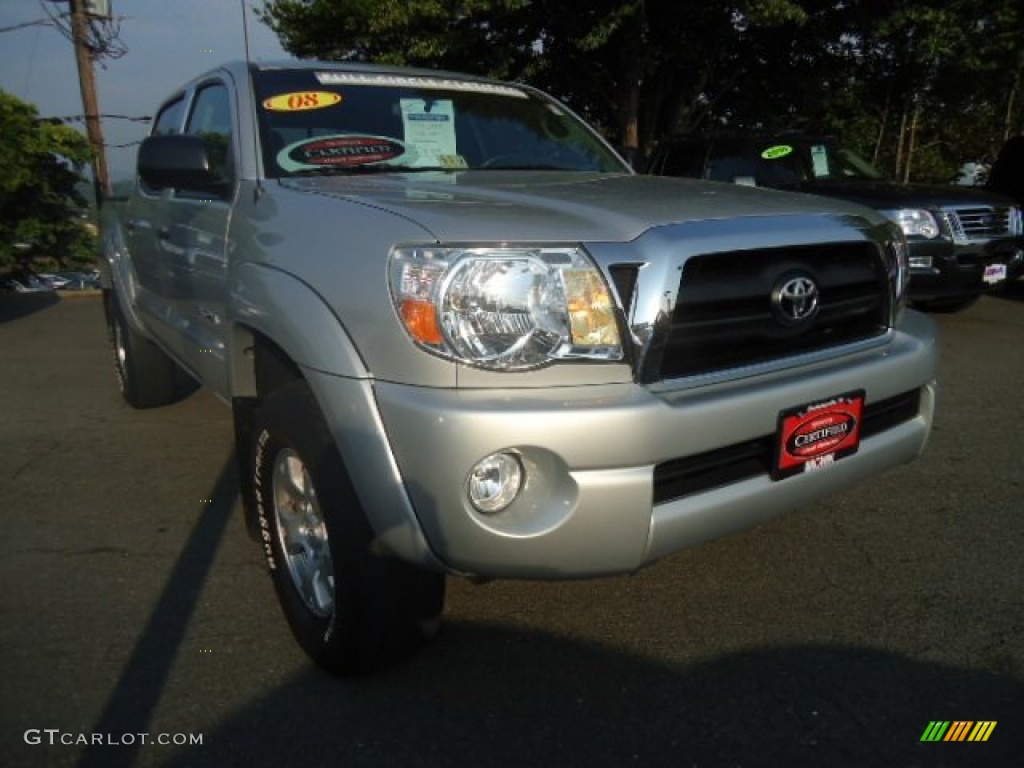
<point x="302" y="533"/>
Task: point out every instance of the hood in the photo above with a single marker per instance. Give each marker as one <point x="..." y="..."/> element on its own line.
<point x="888" y="195"/>
<point x="538" y="206"/>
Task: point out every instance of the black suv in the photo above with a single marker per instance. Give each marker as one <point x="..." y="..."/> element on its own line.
<point x="963" y="241"/>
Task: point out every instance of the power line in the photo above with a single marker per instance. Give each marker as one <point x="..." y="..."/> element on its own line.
<point x="103" y="38"/>
<point x="23" y="25"/>
<point x="83" y="118"/>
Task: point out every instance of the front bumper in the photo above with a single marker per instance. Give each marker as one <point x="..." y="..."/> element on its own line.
<point x="958" y="270"/>
<point x="590" y="454"/>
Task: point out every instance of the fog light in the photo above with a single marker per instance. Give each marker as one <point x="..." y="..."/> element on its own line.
<point x="495" y="481"/>
<point x="920" y="262"/>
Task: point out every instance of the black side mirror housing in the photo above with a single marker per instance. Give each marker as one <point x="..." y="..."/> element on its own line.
<point x="178" y="161"/>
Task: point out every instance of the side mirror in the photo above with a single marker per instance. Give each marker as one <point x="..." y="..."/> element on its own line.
<point x="178" y="161"/>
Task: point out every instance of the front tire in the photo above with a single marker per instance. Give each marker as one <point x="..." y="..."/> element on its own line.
<point x="352" y="610"/>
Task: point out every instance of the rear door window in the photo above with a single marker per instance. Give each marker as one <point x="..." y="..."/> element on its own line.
<point x="168" y="120"/>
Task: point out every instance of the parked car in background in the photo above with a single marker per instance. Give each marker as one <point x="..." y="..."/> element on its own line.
<point x="1006" y="177"/>
<point x="54" y="281"/>
<point x="22" y="282"/>
<point x="27" y="284"/>
<point x="963" y="241"/>
<point x="79" y="281"/>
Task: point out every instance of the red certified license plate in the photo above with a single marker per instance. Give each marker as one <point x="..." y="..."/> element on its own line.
<point x="816" y="435"/>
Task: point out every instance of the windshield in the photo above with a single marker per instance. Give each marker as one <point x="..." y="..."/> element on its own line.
<point x="793" y="162"/>
<point x="334" y="121"/>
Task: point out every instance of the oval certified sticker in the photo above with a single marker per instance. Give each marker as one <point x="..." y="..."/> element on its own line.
<point x="821" y="434"/>
<point x="343" y="151"/>
<point x="779" y="150"/>
<point x="301" y="100"/>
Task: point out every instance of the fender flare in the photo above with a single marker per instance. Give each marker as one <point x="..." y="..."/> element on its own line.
<point x="117" y="276"/>
<point x="290" y="313"/>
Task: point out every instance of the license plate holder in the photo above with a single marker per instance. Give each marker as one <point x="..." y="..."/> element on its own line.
<point x="813" y="436"/>
<point x="994" y="273"/>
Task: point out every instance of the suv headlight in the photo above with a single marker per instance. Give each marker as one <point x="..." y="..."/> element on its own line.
<point x="1016" y="221"/>
<point x="503" y="307"/>
<point x="917" y="222"/>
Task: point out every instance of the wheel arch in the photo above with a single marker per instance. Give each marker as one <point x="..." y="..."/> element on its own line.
<point x="283" y="331"/>
<point x="280" y="327"/>
<point x="279" y="320"/>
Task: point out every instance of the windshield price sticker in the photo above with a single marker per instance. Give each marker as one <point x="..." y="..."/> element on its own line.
<point x="341" y="151"/>
<point x="779" y="150"/>
<point x="301" y="101"/>
<point x="429" y="126"/>
<point x="815" y="436"/>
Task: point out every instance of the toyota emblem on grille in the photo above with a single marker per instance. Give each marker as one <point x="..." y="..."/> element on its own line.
<point x="795" y="300"/>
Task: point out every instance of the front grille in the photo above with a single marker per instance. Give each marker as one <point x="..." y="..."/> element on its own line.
<point x="725" y="316"/>
<point x="679" y="478"/>
<point x="979" y="223"/>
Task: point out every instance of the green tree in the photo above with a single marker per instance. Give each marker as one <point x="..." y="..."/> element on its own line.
<point x="40" y="207"/>
<point x="637" y="69"/>
<point x="920" y="86"/>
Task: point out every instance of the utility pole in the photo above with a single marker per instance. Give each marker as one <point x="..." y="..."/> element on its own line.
<point x="93" y="127"/>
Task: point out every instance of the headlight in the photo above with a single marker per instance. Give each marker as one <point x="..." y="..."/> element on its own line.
<point x="1016" y="221"/>
<point x="505" y="308"/>
<point x="915" y="222"/>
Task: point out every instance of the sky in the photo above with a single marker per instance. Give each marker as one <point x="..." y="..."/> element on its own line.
<point x="168" y="42"/>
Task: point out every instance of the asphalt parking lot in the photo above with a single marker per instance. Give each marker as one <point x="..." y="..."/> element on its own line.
<point x="136" y="610"/>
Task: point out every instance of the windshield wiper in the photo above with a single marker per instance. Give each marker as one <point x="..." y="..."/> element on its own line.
<point x="370" y="168"/>
<point x="527" y="167"/>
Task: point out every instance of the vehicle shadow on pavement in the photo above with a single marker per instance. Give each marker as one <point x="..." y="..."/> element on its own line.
<point x="497" y="695"/>
<point x="17" y="305"/>
<point x="492" y="696"/>
<point x="136" y="695"/>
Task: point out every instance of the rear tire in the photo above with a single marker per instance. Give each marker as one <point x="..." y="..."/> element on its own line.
<point x="352" y="610"/>
<point x="146" y="375"/>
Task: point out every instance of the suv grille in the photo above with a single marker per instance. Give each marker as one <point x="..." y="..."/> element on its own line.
<point x="728" y="312"/>
<point x="980" y="223"/>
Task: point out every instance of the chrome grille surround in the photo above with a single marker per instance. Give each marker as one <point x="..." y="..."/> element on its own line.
<point x="686" y="288"/>
<point x="980" y="223"/>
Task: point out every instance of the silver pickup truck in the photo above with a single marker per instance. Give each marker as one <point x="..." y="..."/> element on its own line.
<point x="459" y="335"/>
